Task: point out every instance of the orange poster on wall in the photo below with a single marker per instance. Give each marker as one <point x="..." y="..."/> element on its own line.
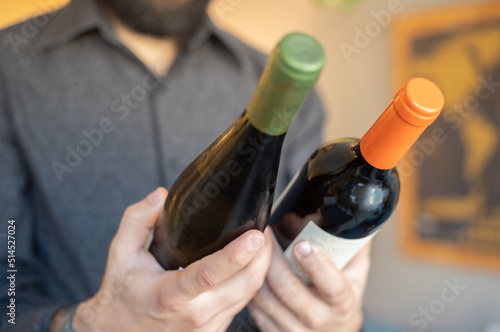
<point x="451" y="179"/>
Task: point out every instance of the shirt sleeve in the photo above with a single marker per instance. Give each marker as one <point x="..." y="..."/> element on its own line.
<point x="21" y="278"/>
<point x="303" y="138"/>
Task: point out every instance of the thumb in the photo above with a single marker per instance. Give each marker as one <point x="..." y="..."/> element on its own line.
<point x="137" y="221"/>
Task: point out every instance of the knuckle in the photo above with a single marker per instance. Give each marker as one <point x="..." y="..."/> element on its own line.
<point x="322" y="321"/>
<point x="114" y="248"/>
<point x="195" y="321"/>
<point x="237" y="261"/>
<point x="131" y="216"/>
<point x="281" y="294"/>
<point x="337" y="292"/>
<point x="268" y="306"/>
<point x="116" y="255"/>
<point x="311" y="319"/>
<point x="287" y="328"/>
<point x="345" y="308"/>
<point x="184" y="284"/>
<point x="206" y="279"/>
<point x="129" y="211"/>
<point x="170" y="305"/>
<point x="288" y="288"/>
<point x="130" y="219"/>
<point x="254" y="283"/>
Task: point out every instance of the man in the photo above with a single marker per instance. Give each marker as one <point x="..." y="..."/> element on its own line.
<point x="105" y="102"/>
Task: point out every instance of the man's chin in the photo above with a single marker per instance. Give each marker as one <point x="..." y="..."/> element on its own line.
<point x="169" y="18"/>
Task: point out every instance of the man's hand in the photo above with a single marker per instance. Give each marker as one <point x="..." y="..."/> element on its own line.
<point x="333" y="303"/>
<point x="137" y="294"/>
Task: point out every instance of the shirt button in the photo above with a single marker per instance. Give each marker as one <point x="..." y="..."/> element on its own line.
<point x="173" y="164"/>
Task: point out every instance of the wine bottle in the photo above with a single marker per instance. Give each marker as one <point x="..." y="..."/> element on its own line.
<point x="229" y="188"/>
<point x="349" y="187"/>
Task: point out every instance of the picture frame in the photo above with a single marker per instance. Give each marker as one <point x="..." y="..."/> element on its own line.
<point x="450" y="208"/>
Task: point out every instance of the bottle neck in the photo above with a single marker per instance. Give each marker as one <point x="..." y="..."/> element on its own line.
<point x="365" y="168"/>
<point x="388" y="140"/>
<point x="415" y="106"/>
<point x="291" y="71"/>
<point x="275" y="103"/>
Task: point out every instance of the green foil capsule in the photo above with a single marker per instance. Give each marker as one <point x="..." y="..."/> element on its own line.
<point x="292" y="70"/>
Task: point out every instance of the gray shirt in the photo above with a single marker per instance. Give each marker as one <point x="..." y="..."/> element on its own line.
<point x="86" y="130"/>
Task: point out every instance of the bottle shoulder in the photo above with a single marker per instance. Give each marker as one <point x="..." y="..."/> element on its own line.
<point x="333" y="157"/>
<point x="345" y="186"/>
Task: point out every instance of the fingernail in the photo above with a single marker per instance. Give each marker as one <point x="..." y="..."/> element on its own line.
<point x="303" y="248"/>
<point x="155" y="197"/>
<point x="256" y="242"/>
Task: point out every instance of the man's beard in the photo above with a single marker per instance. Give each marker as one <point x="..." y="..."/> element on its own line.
<point x="177" y="19"/>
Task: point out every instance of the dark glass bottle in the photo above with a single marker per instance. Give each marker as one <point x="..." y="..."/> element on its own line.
<point x="229" y="188"/>
<point x="348" y="188"/>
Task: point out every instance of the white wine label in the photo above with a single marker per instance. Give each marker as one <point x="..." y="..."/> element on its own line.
<point x="340" y="250"/>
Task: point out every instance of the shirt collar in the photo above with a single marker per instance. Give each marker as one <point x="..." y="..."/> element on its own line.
<point x="77" y="18"/>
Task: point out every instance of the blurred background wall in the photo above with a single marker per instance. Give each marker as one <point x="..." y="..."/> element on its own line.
<point x="13" y="11"/>
<point x="355" y="91"/>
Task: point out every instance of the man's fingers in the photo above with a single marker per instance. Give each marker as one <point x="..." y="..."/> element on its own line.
<point x="135" y="228"/>
<point x="232" y="294"/>
<point x="210" y="271"/>
<point x="248" y="281"/>
<point x="263" y="321"/>
<point x="329" y="281"/>
<point x="292" y="292"/>
<point x="357" y="270"/>
<point x="268" y="311"/>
